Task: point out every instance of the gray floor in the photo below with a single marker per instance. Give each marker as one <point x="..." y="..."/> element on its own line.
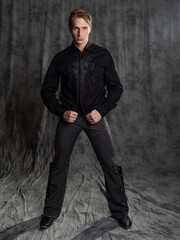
<point x="153" y="196"/>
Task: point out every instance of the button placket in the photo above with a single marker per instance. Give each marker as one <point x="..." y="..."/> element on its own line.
<point x="81" y="63"/>
<point x="81" y="76"/>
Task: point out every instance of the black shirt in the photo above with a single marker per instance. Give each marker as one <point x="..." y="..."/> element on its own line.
<point x="85" y="78"/>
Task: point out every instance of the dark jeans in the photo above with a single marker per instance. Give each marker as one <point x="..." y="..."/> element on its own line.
<point x="100" y="138"/>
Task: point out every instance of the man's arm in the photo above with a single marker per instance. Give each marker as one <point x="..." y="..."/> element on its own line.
<point x="114" y="87"/>
<point x="49" y="89"/>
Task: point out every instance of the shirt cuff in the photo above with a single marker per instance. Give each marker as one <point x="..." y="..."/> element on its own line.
<point x="105" y="108"/>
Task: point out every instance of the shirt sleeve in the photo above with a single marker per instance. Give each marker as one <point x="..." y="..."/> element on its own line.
<point x="49" y="89"/>
<point x="114" y="87"/>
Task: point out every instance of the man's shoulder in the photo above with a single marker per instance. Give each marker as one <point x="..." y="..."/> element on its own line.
<point x="61" y="55"/>
<point x="63" y="52"/>
<point x="96" y="47"/>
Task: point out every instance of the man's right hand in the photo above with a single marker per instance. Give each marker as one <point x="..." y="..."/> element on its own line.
<point x="70" y="116"/>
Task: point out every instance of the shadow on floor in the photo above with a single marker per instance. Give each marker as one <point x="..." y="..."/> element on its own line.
<point x="14" y="231"/>
<point x="100" y="227"/>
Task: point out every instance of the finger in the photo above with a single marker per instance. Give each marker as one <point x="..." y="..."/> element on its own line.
<point x="72" y="113"/>
<point x="71" y="120"/>
<point x="96" y="120"/>
<point x="65" y="117"/>
<point x="88" y="117"/>
<point x="91" y="116"/>
<point x="72" y="116"/>
<point x="91" y="121"/>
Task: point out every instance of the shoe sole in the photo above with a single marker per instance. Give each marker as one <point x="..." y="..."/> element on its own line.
<point x="45" y="227"/>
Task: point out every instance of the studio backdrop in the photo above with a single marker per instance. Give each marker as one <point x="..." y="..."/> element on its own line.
<point x="143" y="37"/>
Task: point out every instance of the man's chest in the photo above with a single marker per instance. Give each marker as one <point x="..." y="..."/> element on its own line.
<point x="85" y="65"/>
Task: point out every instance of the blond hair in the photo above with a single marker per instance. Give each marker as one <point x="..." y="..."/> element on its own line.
<point x="80" y="13"/>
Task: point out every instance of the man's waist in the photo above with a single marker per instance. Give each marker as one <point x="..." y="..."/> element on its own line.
<point x="83" y="108"/>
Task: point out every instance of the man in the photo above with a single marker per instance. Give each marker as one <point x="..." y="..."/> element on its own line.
<point x="85" y="69"/>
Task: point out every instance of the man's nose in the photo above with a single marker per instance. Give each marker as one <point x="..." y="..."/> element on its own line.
<point x="79" y="32"/>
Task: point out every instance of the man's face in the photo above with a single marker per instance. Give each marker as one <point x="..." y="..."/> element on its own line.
<point x="80" y="31"/>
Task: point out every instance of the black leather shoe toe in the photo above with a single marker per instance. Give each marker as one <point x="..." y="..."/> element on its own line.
<point x="46" y="222"/>
<point x="124" y="222"/>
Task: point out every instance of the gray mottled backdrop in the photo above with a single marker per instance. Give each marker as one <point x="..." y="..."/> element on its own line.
<point x="144" y="38"/>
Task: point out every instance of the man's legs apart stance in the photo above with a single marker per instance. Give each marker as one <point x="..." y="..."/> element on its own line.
<point x="101" y="140"/>
<point x="66" y="135"/>
<point x="100" y="137"/>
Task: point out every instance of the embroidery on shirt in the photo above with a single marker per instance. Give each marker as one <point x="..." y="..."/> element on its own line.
<point x="81" y="72"/>
<point x="88" y="78"/>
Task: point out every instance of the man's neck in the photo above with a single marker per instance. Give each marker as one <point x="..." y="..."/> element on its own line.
<point x="81" y="46"/>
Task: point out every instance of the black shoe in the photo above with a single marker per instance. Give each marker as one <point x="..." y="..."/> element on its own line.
<point x="124" y="222"/>
<point x="46" y="222"/>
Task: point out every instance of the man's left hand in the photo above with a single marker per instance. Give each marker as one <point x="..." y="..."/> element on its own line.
<point x="93" y="117"/>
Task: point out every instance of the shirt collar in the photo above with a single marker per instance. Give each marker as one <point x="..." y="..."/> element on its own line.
<point x="88" y="47"/>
